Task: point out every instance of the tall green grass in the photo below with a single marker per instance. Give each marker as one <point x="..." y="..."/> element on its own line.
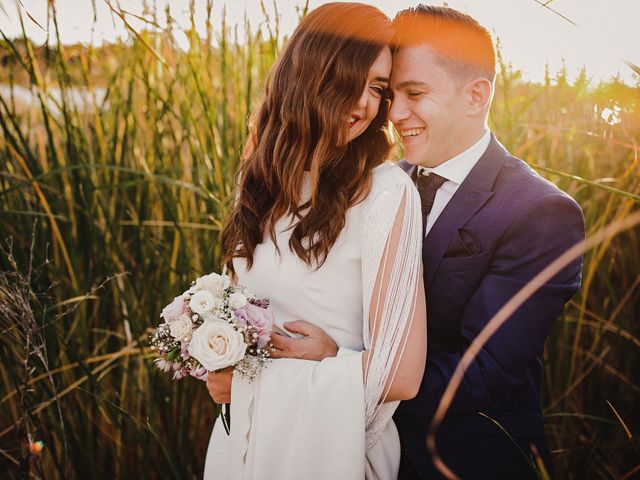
<point x="592" y="359"/>
<point x="123" y="201"/>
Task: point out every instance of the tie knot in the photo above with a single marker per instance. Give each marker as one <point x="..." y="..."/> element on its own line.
<point x="429" y="181"/>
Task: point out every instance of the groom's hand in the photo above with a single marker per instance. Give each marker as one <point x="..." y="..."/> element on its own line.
<point x="315" y="344"/>
<point x="219" y="385"/>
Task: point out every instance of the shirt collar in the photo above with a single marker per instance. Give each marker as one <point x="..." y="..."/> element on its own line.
<point x="457" y="168"/>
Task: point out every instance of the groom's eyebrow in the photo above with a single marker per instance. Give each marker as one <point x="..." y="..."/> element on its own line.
<point x="411" y="83"/>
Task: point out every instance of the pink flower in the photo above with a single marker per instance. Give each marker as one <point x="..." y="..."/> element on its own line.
<point x="200" y="373"/>
<point x="260" y="302"/>
<point x="175" y="309"/>
<point x="259" y="318"/>
<point x="180" y="373"/>
<point x="162" y="364"/>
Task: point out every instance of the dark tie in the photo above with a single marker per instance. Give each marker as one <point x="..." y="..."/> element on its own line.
<point x="427" y="186"/>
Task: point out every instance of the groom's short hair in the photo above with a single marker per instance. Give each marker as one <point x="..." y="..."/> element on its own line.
<point x="463" y="46"/>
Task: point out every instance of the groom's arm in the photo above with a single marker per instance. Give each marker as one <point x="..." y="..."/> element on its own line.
<point x="550" y="227"/>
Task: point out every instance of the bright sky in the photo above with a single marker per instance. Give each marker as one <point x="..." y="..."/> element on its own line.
<point x="530" y="35"/>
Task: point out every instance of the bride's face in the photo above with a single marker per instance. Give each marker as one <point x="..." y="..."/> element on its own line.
<point x="367" y="107"/>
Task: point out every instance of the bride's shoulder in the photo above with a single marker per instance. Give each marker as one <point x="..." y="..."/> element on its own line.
<point x="388" y="175"/>
<point x="389" y="184"/>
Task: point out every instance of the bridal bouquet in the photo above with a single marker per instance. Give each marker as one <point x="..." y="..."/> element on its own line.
<point x="213" y="325"/>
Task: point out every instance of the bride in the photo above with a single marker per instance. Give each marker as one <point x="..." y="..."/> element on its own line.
<point x="330" y="233"/>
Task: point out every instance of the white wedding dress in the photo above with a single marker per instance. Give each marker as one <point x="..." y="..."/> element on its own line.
<point x="324" y="420"/>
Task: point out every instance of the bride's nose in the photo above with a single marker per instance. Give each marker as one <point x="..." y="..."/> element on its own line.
<point x="363" y="100"/>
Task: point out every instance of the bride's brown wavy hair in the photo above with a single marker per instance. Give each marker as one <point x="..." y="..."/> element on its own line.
<point x="301" y="125"/>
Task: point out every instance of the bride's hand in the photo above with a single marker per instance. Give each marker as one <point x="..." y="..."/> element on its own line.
<point x="314" y="344"/>
<point x="219" y="385"/>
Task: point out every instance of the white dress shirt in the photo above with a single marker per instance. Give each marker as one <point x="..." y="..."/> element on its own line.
<point x="454" y="171"/>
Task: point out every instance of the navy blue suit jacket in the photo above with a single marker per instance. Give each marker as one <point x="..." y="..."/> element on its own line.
<point x="503" y="225"/>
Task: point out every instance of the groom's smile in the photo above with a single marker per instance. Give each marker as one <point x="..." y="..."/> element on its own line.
<point x="409" y="133"/>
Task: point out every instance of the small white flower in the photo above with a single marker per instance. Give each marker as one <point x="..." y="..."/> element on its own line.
<point x="213" y="282"/>
<point x="217" y="345"/>
<point x="203" y="302"/>
<point x="211" y="317"/>
<point x="181" y="328"/>
<point x="237" y="300"/>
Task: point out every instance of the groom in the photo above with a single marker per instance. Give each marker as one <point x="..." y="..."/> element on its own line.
<point x="491" y="224"/>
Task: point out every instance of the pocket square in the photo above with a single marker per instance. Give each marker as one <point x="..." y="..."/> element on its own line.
<point x="464" y="244"/>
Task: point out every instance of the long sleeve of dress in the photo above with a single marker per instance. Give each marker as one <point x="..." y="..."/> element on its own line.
<point x="393" y="297"/>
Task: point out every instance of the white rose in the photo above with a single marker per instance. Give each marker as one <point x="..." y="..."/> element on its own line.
<point x="203" y="302"/>
<point x="237" y="300"/>
<point x="181" y="328"/>
<point x="176" y="308"/>
<point x="217" y="345"/>
<point x="213" y="282"/>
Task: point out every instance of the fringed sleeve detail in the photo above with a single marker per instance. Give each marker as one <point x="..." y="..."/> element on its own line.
<point x="391" y="269"/>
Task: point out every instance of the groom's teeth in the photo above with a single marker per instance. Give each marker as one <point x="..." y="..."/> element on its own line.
<point x="412" y="132"/>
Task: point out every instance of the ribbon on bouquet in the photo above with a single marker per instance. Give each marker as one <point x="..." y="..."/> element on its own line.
<point x="225" y="414"/>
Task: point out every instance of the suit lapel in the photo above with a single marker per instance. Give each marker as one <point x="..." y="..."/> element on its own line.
<point x="472" y="194"/>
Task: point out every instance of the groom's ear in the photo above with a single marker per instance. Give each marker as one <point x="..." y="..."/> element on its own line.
<point x="478" y="92"/>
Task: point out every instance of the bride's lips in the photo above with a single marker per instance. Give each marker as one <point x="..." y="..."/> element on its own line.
<point x="353" y="120"/>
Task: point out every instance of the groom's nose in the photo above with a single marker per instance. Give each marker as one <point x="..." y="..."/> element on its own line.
<point x="398" y="110"/>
